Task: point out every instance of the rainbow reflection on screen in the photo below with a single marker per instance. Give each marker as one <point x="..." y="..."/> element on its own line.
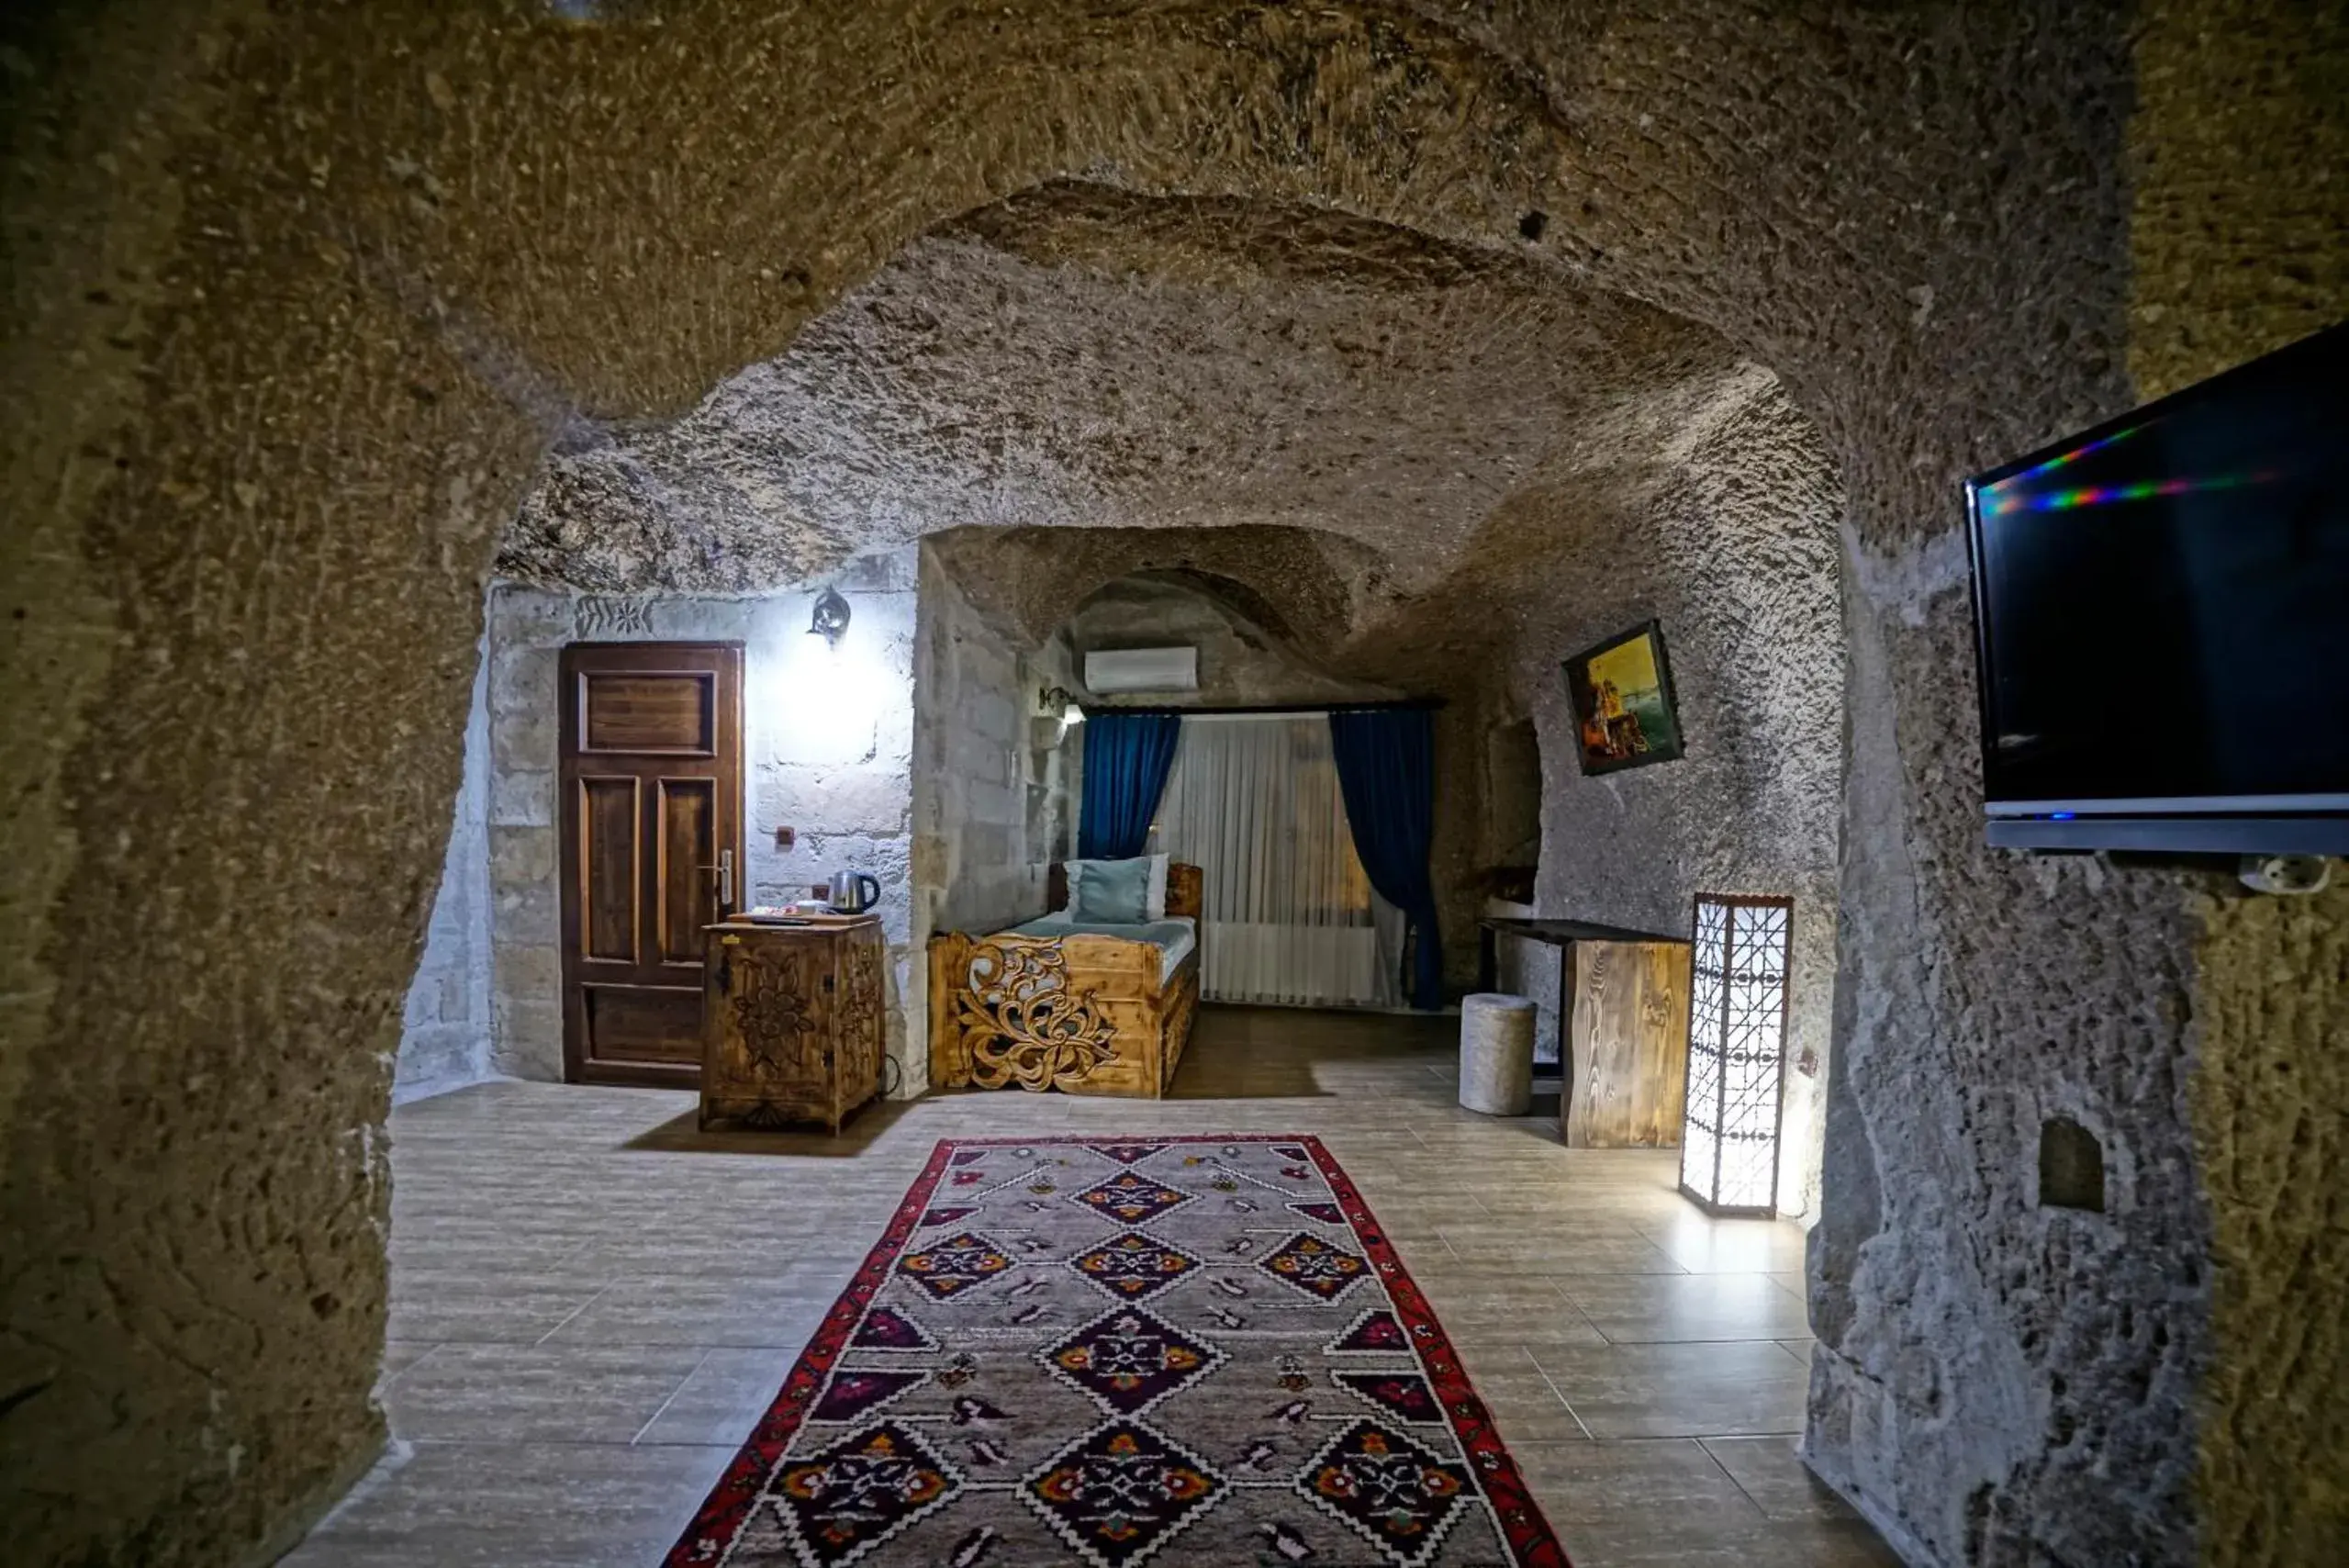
<point x="2062" y="459"/>
<point x="2001" y="502"/>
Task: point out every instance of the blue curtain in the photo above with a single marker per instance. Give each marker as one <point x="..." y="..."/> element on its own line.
<point x="1126" y="759"/>
<point x="1386" y="765"/>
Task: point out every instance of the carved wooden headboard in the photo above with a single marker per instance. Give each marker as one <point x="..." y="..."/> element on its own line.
<point x="1186" y="889"/>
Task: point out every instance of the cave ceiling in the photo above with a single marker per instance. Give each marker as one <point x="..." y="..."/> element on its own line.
<point x="1386" y="438"/>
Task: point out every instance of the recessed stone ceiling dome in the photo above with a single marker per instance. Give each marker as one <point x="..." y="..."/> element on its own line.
<point x="1079" y="356"/>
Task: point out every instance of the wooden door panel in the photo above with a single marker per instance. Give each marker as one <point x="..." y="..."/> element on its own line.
<point x="687" y="810"/>
<point x="667" y="713"/>
<point x="608" y="874"/>
<point x="639" y="1025"/>
<point x="652" y="789"/>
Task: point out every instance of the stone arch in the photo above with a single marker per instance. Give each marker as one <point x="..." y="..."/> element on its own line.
<point x="302" y="296"/>
<point x="1289" y="580"/>
<point x="1228" y="609"/>
<point x="1241" y="597"/>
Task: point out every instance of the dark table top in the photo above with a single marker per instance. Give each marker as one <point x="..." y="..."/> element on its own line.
<point x="1561" y="932"/>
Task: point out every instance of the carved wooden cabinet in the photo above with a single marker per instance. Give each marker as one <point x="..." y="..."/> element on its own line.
<point x="793" y="1028"/>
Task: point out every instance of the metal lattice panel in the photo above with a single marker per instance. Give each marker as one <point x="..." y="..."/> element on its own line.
<point x="1737" y="1046"/>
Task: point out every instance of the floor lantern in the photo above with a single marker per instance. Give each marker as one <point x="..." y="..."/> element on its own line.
<point x="1737" y="1053"/>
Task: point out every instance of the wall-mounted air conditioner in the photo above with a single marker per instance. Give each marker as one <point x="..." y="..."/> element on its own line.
<point x="1141" y="670"/>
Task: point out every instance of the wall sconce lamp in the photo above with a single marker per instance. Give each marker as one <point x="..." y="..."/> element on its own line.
<point x="1737" y="1054"/>
<point x="831" y="620"/>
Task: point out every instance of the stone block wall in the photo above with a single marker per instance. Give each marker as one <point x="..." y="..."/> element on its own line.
<point x="444" y="1028"/>
<point x="992" y="776"/>
<point x="827" y="749"/>
<point x="976" y="766"/>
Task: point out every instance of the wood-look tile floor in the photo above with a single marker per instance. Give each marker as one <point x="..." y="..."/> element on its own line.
<point x="592" y="1302"/>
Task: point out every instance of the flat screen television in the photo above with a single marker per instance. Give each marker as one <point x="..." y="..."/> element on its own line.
<point x="2162" y="620"/>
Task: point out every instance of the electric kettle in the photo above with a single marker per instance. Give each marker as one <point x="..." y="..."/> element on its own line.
<point x="852" y="893"/>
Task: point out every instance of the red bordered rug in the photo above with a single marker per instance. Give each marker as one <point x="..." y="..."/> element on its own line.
<point x="1197" y="1349"/>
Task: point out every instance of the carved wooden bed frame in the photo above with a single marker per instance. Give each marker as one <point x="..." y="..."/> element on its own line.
<point x="1082" y="1013"/>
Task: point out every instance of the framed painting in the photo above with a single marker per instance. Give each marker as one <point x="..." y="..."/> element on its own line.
<point x="1624" y="713"/>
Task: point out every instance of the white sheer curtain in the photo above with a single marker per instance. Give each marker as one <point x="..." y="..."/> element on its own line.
<point x="1288" y="917"/>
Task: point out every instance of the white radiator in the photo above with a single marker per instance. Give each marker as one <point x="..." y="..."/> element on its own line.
<point x="1311" y="966"/>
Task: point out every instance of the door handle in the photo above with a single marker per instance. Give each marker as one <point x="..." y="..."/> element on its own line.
<point x="725" y="872"/>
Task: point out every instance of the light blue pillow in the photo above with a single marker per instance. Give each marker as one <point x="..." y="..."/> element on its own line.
<point x="1111" y="892"/>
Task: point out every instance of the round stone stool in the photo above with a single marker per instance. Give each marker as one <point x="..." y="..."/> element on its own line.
<point x="1496" y="1054"/>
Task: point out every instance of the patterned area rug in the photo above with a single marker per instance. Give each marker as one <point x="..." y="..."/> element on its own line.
<point x="1085" y="1351"/>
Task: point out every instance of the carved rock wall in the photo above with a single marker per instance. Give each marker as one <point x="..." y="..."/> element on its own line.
<point x="1735" y="555"/>
<point x="1241" y="663"/>
<point x="299" y="295"/>
<point x="2234" y="251"/>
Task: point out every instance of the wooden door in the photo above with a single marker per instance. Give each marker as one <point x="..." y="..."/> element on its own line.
<point x="652" y="785"/>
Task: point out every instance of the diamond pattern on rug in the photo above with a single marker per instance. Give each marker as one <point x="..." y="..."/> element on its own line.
<point x="971" y="1400"/>
<point x="1121" y="1491"/>
<point x="852" y="1394"/>
<point x="887" y="1328"/>
<point x="1321" y="1269"/>
<point x="1395" y="1494"/>
<point x="1375" y="1331"/>
<point x="948" y="1267"/>
<point x="1404" y="1395"/>
<point x="1131" y="1198"/>
<point x="1222" y="1176"/>
<point x="841" y="1502"/>
<point x="1133" y="1266"/>
<point x="1129" y="1358"/>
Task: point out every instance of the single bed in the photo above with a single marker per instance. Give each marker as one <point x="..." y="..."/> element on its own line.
<point x="1059" y="1003"/>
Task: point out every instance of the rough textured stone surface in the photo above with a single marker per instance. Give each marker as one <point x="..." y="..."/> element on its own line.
<point x="1243" y="663"/>
<point x="299" y="296"/>
<point x="1081" y="356"/>
<point x="2231" y="263"/>
<point x="1383" y="455"/>
<point x="1734" y="554"/>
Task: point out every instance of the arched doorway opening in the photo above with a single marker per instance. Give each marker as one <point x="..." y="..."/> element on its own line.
<point x="323" y="301"/>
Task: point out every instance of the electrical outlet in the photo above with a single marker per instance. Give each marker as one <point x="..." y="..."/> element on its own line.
<point x="785" y="837"/>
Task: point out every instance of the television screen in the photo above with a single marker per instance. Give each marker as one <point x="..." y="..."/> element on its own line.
<point x="2162" y="604"/>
